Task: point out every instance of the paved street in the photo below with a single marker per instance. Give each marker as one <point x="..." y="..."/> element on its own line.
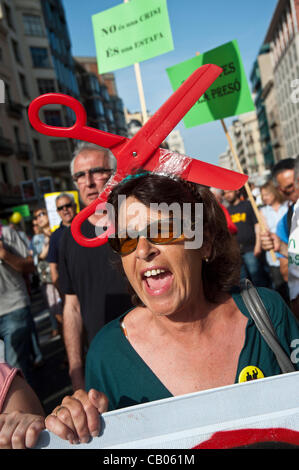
<point x="51" y="380"/>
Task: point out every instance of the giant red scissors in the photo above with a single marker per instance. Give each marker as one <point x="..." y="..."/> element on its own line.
<point x="142" y="151"/>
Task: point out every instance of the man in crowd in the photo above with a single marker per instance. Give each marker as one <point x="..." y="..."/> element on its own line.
<point x="15" y="314"/>
<point x="283" y="178"/>
<point x="248" y="238"/>
<point x="95" y="292"/>
<point x="286" y="240"/>
<point x="66" y="208"/>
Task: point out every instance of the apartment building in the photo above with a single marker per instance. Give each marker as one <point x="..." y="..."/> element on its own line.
<point x="30" y="67"/>
<point x="266" y="104"/>
<point x="283" y="37"/>
<point x="99" y="92"/>
<point x="15" y="157"/>
<point x="245" y="136"/>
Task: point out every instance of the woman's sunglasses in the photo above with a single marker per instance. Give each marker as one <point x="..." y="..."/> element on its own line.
<point x="158" y="233"/>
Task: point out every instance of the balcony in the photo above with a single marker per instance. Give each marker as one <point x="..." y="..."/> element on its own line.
<point x="6" y="146"/>
<point x="14" y="110"/>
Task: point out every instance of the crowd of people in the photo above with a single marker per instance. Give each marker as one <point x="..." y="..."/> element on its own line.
<point x="134" y="313"/>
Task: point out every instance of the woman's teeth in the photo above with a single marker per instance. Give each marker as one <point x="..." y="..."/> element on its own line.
<point x="153" y="272"/>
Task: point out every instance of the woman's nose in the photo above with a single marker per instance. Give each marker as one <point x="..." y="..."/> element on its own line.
<point x="145" y="249"/>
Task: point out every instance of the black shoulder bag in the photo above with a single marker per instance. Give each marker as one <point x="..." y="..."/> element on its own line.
<point x="263" y="323"/>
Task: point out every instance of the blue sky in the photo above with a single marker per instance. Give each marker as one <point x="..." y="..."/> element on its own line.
<point x="196" y="25"/>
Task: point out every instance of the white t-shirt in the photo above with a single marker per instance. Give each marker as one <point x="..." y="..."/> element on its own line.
<point x="293" y="252"/>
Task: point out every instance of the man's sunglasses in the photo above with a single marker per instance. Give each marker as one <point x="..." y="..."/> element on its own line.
<point x="97" y="173"/>
<point x="65" y="206"/>
<point x="158" y="233"/>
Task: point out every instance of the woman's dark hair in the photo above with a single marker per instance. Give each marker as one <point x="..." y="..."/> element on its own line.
<point x="222" y="272"/>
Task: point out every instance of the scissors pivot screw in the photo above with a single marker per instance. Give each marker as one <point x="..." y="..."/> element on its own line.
<point x="134" y="154"/>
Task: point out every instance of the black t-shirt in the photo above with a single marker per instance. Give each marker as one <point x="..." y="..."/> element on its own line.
<point x="91" y="274"/>
<point x="244" y="218"/>
<point x="53" y="254"/>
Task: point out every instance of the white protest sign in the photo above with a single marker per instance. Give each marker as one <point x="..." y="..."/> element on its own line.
<point x="186" y="421"/>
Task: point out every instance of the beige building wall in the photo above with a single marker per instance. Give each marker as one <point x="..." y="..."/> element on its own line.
<point x="269" y="96"/>
<point x="245" y="136"/>
<point x="283" y="36"/>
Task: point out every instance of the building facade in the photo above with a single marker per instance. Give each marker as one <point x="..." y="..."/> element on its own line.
<point x="38" y="163"/>
<point x="283" y="37"/>
<point x="99" y="92"/>
<point x="258" y="86"/>
<point x="36" y="58"/>
<point x="245" y="136"/>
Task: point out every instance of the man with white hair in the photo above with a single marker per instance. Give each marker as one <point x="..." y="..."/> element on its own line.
<point x="95" y="292"/>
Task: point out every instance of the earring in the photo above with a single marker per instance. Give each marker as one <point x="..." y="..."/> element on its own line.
<point x="206" y="259"/>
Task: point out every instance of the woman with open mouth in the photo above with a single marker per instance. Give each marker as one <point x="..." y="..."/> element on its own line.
<point x="189" y="330"/>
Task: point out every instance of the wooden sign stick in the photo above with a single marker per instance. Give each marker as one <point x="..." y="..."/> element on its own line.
<point x="140" y="89"/>
<point x="247" y="188"/>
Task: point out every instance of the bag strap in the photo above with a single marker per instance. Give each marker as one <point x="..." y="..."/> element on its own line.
<point x="263" y="323"/>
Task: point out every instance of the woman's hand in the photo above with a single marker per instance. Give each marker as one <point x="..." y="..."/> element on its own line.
<point x="20" y="430"/>
<point x="77" y="418"/>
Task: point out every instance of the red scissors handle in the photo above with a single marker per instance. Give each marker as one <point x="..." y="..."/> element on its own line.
<point x="79" y="130"/>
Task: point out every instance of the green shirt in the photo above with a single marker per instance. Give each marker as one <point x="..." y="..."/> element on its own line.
<point x="115" y="368"/>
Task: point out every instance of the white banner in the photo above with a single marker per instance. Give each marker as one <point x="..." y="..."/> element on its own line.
<point x="186" y="421"/>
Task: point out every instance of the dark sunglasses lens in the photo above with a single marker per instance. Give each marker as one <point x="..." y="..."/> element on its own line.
<point x="123" y="246"/>
<point x="127" y="245"/>
<point x="66" y="206"/>
<point x="167" y="231"/>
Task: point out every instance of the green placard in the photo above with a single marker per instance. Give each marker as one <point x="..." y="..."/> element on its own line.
<point x="23" y="210"/>
<point x="130" y="33"/>
<point x="228" y="96"/>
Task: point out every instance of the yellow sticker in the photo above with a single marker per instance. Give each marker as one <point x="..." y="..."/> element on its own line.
<point x="250" y="373"/>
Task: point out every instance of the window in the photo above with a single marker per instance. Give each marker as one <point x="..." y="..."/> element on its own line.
<point x="23" y="84"/>
<point x="40" y="58"/>
<point x="37" y="149"/>
<point x="4" y="173"/>
<point x="8" y="16"/>
<point x="60" y="150"/>
<point x="25" y="173"/>
<point x="15" y="47"/>
<point x="33" y="25"/>
<point x="53" y="118"/>
<point x="46" y="85"/>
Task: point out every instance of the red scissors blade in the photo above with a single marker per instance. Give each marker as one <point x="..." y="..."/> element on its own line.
<point x="136" y="151"/>
<point x="197" y="171"/>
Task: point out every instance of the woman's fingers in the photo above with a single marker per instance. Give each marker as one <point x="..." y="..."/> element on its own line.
<point x="77" y="419"/>
<point x="20" y="430"/>
<point x="27" y="431"/>
<point x="99" y="404"/>
<point x="33" y="432"/>
<point x="56" y="426"/>
<point x="8" y="423"/>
